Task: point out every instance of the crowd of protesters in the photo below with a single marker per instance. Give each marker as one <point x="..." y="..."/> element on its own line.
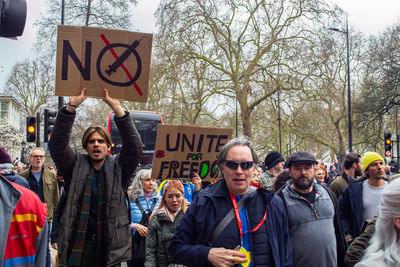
<point x="103" y="210"/>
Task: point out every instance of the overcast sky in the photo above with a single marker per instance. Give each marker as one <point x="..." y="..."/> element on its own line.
<point x="367" y="16"/>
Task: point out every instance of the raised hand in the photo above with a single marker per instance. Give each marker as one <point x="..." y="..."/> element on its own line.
<point x="75" y="101"/>
<point x="113" y="103"/>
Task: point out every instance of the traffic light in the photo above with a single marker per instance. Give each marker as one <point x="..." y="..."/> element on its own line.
<point x="388" y="144"/>
<point x="30" y="129"/>
<point x="12" y="17"/>
<point x="49" y="120"/>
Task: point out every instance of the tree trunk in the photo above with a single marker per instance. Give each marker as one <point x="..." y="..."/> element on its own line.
<point x="246" y="114"/>
<point x="342" y="150"/>
<point x="88" y="13"/>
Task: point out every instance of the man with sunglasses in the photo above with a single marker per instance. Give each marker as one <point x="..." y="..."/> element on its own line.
<point x="44" y="183"/>
<point x="313" y="214"/>
<point x="230" y="223"/>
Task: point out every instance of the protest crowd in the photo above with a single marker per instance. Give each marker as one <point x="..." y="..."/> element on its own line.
<point x="97" y="209"/>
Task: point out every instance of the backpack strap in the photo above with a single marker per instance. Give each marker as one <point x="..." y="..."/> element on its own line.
<point x="153" y="205"/>
<point x="229" y="217"/>
<point x="139" y="206"/>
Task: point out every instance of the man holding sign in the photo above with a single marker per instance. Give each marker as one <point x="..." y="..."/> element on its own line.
<point x="95" y="223"/>
<point x="232" y="223"/>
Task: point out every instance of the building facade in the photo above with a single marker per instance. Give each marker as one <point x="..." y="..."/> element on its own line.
<point x="11" y="135"/>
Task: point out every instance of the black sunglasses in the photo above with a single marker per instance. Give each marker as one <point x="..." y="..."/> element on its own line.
<point x="245" y="165"/>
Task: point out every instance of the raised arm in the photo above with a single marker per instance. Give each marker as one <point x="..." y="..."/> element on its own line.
<point x="60" y="150"/>
<point x="131" y="144"/>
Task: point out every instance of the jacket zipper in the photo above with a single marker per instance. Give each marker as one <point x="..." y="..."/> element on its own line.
<point x="315" y="211"/>
<point x="308" y="202"/>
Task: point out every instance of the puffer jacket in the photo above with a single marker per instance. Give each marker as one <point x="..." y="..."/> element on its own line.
<point x="75" y="167"/>
<point x="159" y="235"/>
<point x="136" y="215"/>
<point x="191" y="243"/>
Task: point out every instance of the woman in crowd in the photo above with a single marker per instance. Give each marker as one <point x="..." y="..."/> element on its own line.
<point x="144" y="200"/>
<point x="321" y="174"/>
<point x="384" y="248"/>
<point x="163" y="223"/>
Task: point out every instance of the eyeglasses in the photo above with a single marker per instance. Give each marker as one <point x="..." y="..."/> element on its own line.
<point x="37" y="156"/>
<point x="245" y="165"/>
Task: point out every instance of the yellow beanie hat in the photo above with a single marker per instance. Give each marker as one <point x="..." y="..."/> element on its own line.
<point x="370" y="157"/>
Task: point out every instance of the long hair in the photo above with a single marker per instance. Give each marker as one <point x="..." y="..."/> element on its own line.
<point x="135" y="190"/>
<point x="323" y="168"/>
<point x="96" y="129"/>
<point x="170" y="185"/>
<point x="386" y="241"/>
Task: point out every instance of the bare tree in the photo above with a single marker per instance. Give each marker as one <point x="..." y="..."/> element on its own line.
<point x="320" y="110"/>
<point x="242" y="42"/>
<point x="379" y="97"/>
<point x="94" y="13"/>
<point x="32" y="85"/>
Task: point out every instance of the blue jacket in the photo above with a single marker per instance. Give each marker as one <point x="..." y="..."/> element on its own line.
<point x="190" y="245"/>
<point x="8" y="171"/>
<point x="351" y="208"/>
<point x="136" y="215"/>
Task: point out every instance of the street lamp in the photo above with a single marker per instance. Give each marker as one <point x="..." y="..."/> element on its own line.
<point x="236" y="117"/>
<point x="60" y="98"/>
<point x="23" y="146"/>
<point x="346" y="32"/>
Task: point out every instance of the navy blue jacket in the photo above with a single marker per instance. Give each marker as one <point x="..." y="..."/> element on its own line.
<point x="351" y="208"/>
<point x="190" y="245"/>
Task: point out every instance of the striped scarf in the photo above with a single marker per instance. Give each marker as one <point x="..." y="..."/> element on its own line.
<point x="80" y="227"/>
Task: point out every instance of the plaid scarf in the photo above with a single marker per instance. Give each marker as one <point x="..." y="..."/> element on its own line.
<point x="80" y="226"/>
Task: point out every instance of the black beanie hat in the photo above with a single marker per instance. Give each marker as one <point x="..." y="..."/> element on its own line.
<point x="4" y="157"/>
<point x="273" y="158"/>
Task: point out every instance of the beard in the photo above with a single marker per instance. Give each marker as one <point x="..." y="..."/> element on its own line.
<point x="357" y="172"/>
<point x="302" y="186"/>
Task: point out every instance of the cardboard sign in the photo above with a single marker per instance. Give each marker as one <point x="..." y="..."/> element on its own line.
<point x="183" y="149"/>
<point x="96" y="58"/>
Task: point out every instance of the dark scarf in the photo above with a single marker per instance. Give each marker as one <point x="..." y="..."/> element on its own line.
<point x="80" y="227"/>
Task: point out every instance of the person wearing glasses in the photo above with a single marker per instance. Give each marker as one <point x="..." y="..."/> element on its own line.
<point x="231" y="223"/>
<point x="44" y="183"/>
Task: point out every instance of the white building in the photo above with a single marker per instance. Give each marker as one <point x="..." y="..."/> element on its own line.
<point x="10" y="126"/>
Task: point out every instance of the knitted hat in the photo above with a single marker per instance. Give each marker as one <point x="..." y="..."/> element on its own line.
<point x="300" y="157"/>
<point x="370" y="157"/>
<point x="273" y="158"/>
<point x="4" y="157"/>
